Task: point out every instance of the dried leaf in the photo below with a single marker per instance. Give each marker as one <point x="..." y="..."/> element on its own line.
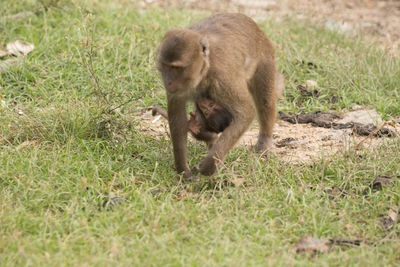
<point x="3" y="53"/>
<point x="20" y="15"/>
<point x="112" y="201"/>
<point x="155" y="192"/>
<point x="181" y="195"/>
<point x="335" y="191"/>
<point x="393" y="215"/>
<point x="312" y="245"/>
<point x="381" y="181"/>
<point x="391" y="219"/>
<point x="305" y="92"/>
<point x="345" y="242"/>
<point x="26" y="144"/>
<point x="19" y="47"/>
<point x="7" y="63"/>
<point x="349" y="227"/>
<point x="308" y="244"/>
<point x="387" y="223"/>
<point x="238" y="181"/>
<point x="286" y="142"/>
<point x="334" y="99"/>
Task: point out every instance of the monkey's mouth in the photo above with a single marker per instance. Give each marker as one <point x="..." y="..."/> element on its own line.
<point x="171" y="87"/>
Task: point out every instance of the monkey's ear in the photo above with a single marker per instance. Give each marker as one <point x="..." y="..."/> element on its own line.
<point x="205" y="46"/>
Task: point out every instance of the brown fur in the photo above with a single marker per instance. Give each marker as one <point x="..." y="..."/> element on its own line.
<point x="226" y="58"/>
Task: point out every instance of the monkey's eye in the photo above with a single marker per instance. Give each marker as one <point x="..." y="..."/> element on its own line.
<point x="174" y="67"/>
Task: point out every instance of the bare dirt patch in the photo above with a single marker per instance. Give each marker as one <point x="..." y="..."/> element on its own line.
<point x="294" y="143"/>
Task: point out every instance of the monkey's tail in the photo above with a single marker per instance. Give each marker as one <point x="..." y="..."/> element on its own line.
<point x="159" y="110"/>
<point x="280" y="85"/>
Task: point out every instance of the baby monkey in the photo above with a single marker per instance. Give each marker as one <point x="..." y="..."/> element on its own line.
<point x="209" y="119"/>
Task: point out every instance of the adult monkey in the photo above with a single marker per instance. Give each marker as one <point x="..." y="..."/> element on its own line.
<point x="226" y="58"/>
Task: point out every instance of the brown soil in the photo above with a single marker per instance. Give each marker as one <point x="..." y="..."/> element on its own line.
<point x="294" y="143"/>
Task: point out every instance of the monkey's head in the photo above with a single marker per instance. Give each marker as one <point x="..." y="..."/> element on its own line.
<point x="183" y="60"/>
<point x="207" y="106"/>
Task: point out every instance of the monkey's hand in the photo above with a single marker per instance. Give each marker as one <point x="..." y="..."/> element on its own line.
<point x="193" y="125"/>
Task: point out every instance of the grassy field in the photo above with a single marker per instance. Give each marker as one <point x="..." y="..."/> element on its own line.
<point x="81" y="186"/>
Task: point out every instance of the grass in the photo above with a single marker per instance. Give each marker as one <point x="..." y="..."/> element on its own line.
<point x="76" y="148"/>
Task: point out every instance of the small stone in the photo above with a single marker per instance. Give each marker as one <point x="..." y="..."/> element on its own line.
<point x="19" y="47"/>
<point x="334" y="135"/>
<point x="356" y="107"/>
<point x="311" y="83"/>
<point x="362" y="116"/>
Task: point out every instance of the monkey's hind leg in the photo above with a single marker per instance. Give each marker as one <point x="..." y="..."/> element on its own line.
<point x="243" y="115"/>
<point x="265" y="95"/>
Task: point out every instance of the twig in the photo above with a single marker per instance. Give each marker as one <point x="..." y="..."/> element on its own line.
<point x="371" y="134"/>
<point x="122" y="104"/>
<point x="87" y="59"/>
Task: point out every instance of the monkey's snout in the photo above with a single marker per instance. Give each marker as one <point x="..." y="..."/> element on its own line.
<point x="172" y="87"/>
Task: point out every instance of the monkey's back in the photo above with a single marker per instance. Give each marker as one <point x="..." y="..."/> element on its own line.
<point x="233" y="33"/>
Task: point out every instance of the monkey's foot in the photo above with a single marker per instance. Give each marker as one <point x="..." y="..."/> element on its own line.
<point x="186" y="174"/>
<point x="189" y="176"/>
<point x="264" y="144"/>
<point x="207" y="166"/>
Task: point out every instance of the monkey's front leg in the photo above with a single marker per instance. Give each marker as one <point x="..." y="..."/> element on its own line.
<point x="177" y="120"/>
<point x="226" y="141"/>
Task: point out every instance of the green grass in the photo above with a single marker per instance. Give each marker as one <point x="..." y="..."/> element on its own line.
<point x="77" y="145"/>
